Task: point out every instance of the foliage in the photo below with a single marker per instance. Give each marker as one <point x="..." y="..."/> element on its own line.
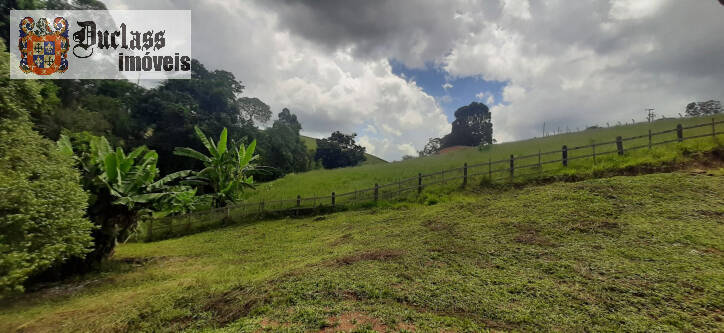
<point x="339" y="150"/>
<point x="708" y="108"/>
<point x="472" y="127"/>
<point x="42" y="205"/>
<point x="226" y="170"/>
<point x="432" y="147"/>
<point x="283" y="147"/>
<point x="123" y="188"/>
<point x="254" y="109"/>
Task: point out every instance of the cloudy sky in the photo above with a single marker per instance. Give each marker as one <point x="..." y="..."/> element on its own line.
<point x="395" y="71"/>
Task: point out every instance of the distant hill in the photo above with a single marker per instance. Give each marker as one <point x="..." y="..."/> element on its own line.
<point x="371" y="159"/>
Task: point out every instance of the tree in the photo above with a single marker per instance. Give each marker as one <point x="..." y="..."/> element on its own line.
<point x="283" y="148"/>
<point x="42" y="205"/>
<point x="432" y="147"/>
<point x="226" y="171"/>
<point x="166" y="115"/>
<point x="472" y="127"/>
<point x="254" y="109"/>
<point x="696" y="109"/>
<point x="339" y="150"/>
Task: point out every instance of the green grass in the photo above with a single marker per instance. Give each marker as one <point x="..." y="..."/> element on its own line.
<point x="311" y="144"/>
<point x="323" y="182"/>
<point x="637" y="253"/>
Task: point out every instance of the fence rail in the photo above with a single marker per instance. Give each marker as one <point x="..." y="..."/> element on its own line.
<point x="506" y="169"/>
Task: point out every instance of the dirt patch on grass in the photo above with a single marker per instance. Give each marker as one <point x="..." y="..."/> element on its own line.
<point x="378" y="255"/>
<point x="232" y="305"/>
<point x="354" y="321"/>
<point x="596" y="227"/>
<point x="435" y="225"/>
<point x="528" y="234"/>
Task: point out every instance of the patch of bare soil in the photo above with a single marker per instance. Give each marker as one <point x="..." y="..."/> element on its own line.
<point x="231" y="305"/>
<point x="452" y="149"/>
<point x="378" y="255"/>
<point x="350" y="321"/>
<point x="528" y="234"/>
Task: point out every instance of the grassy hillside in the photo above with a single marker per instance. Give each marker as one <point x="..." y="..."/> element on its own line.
<point x="323" y="182"/>
<point x="311" y="143"/>
<point x="643" y="253"/>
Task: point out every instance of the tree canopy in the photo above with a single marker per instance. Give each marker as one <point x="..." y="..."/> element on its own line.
<point x="339" y="150"/>
<point x="472" y="127"/>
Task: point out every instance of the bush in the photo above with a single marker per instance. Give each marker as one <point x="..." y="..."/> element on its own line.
<point x="43" y="205"/>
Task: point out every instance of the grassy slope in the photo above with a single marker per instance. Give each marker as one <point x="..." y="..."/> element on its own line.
<point x="323" y="182"/>
<point x="311" y="144"/>
<point x="639" y="253"/>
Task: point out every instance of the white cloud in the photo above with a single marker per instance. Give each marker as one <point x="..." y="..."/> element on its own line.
<point x="635" y="9"/>
<point x="447" y="85"/>
<point x="585" y="63"/>
<point x="408" y="149"/>
<point x="488" y="97"/>
<point x="566" y="63"/>
<point x="517" y="8"/>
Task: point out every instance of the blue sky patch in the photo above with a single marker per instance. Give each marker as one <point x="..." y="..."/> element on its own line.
<point x="451" y="93"/>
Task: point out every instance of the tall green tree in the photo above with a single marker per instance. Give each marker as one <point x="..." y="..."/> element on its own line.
<point x="283" y="148"/>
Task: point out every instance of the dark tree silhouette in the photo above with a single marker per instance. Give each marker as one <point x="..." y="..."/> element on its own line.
<point x="472" y="127"/>
<point x="339" y="150"/>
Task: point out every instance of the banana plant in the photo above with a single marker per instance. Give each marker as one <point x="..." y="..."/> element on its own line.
<point x="226" y="171"/>
<point x="123" y="186"/>
<point x="130" y="178"/>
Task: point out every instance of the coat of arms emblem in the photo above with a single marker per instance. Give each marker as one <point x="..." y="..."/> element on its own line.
<point x="43" y="50"/>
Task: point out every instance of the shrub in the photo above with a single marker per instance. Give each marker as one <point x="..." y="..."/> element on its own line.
<point x="42" y="208"/>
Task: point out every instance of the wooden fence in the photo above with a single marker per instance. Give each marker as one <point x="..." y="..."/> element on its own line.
<point x="507" y="169"/>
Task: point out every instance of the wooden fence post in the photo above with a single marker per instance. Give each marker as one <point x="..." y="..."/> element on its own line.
<point x="419" y="183"/>
<point x="512" y="165"/>
<point x="465" y="173"/>
<point x="377" y="191"/>
<point x="619" y="145"/>
<point x="333" y="199"/>
<point x="564" y="155"/>
<point x="679" y="132"/>
<point x="490" y="168"/>
<point x="594" y="154"/>
<point x="713" y="127"/>
<point x="442" y="174"/>
<point x="540" y="167"/>
<point x="649" y="138"/>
